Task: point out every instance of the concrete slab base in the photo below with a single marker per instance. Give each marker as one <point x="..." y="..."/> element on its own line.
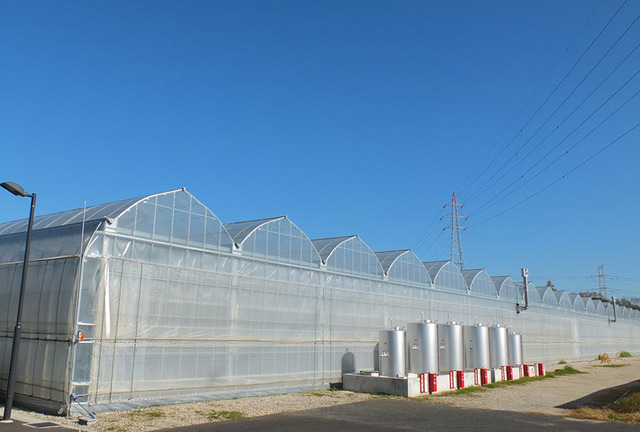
<point x="409" y="386"/>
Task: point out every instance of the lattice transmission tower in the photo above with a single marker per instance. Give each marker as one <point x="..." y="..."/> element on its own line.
<point x="455" y="227"/>
<point x="602" y="281"/>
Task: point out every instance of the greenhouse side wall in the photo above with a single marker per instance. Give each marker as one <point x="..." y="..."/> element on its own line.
<point x="222" y="325"/>
<point x="42" y="375"/>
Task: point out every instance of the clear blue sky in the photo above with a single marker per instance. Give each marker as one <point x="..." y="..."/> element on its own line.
<point x="351" y="117"/>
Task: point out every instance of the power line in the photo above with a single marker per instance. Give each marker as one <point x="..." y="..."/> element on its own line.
<point x="547" y="99"/>
<point x="556" y="110"/>
<point x="560" y="178"/>
<point x="488" y="204"/>
<point x="539" y="86"/>
<point x="428" y="232"/>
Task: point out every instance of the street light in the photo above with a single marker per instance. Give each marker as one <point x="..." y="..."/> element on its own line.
<point x="17" y="190"/>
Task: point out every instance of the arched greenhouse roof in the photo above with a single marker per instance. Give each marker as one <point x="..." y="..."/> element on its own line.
<point x="578" y="302"/>
<point x="348" y="254"/>
<point x="506" y="288"/>
<point x="274" y="238"/>
<point x="563" y="299"/>
<point x="548" y="297"/>
<point x="174" y="217"/>
<point x="240" y="231"/>
<point x="623" y="311"/>
<point x="326" y="246"/>
<point x="446" y="276"/>
<point x="479" y="282"/>
<point x="94" y="213"/>
<point x="403" y="265"/>
<point x="602" y="308"/>
<point x="57" y="234"/>
<point x="532" y="293"/>
<point x="590" y="305"/>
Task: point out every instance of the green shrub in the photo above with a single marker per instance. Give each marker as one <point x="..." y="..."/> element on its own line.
<point x="625" y="354"/>
<point x="225" y="415"/>
<point x="567" y="370"/>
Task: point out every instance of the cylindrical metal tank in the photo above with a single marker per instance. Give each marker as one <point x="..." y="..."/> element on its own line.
<point x="392" y="353"/>
<point x="476" y="346"/>
<point x="498" y="346"/>
<point x="422" y="338"/>
<point x="450" y="347"/>
<point x="515" y="349"/>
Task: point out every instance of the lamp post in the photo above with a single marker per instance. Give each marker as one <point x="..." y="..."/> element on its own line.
<point x="17" y="190"/>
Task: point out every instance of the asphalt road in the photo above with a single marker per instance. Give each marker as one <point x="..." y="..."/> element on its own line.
<point x="386" y="415"/>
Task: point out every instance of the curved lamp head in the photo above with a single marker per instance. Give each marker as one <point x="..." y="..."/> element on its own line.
<point x="15" y="189"/>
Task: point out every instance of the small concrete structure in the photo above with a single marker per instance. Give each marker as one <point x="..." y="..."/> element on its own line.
<point x="361" y="383"/>
<point x="409" y="386"/>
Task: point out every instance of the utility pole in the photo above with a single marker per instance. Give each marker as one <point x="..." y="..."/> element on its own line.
<point x="456" y="240"/>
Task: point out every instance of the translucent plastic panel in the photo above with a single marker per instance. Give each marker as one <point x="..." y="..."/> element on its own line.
<point x="71" y="217"/>
<point x="577" y="302"/>
<point x="564" y="302"/>
<point x="601" y="308"/>
<point x="449" y="278"/>
<point x="47" y="299"/>
<point x="548" y="296"/>
<point x="480" y="283"/>
<point x="50" y="243"/>
<point x="408" y="268"/>
<point x="175" y="217"/>
<point x="590" y="306"/>
<point x="506" y="288"/>
<point x="10" y="277"/>
<point x="532" y="293"/>
<point x="355" y="257"/>
<point x="281" y="240"/>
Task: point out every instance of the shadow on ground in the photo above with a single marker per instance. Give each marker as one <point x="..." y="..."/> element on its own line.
<point x="601" y="397"/>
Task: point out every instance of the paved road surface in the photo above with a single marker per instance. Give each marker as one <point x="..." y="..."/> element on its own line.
<point x="386" y="415"/>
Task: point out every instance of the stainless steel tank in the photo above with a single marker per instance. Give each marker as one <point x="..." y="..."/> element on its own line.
<point x="450" y="347"/>
<point x="392" y="353"/>
<point x="498" y="346"/>
<point x="515" y="349"/>
<point x="476" y="346"/>
<point x="422" y="338"/>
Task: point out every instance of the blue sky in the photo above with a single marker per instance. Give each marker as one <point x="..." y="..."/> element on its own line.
<point x="350" y="117"/>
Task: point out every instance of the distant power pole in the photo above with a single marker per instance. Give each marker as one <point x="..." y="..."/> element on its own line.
<point x="456" y="240"/>
<point x="602" y="281"/>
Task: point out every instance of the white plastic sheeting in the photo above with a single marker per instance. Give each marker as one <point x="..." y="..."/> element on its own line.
<point x="170" y="309"/>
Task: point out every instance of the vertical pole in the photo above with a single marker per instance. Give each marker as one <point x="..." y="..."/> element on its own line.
<point x="525" y="281"/>
<point x="17" y="333"/>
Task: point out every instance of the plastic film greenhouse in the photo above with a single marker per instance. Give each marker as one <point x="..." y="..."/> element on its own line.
<point x="155" y="300"/>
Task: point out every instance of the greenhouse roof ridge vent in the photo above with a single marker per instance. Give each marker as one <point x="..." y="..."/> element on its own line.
<point x="326" y="246"/>
<point x="446" y="275"/>
<point x="506" y="287"/>
<point x="479" y="282"/>
<point x="434" y="266"/>
<point x="240" y="231"/>
<point x="276" y="238"/>
<point x="470" y="275"/>
<point x="404" y="266"/>
<point x="387" y="258"/>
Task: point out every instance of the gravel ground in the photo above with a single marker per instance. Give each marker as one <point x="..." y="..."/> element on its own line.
<point x="546" y="395"/>
<point x="538" y="397"/>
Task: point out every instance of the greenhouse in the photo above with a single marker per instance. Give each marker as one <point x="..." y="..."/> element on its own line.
<point x="155" y="300"/>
